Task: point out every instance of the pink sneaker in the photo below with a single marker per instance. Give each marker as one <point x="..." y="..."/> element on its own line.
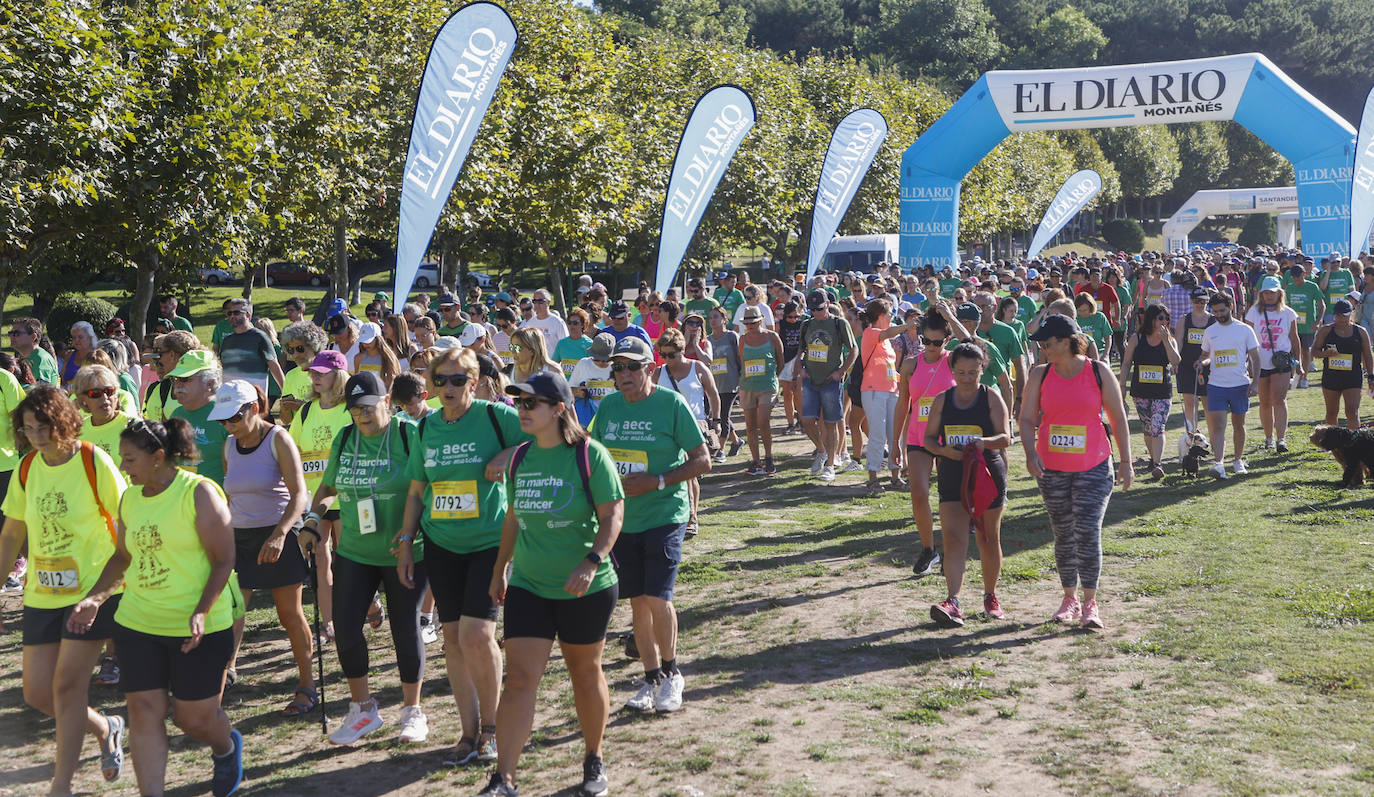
<point x="1069" y="611"/>
<point x="1091" y="619"/>
<point x="947" y="614"/>
<point x="993" y="607"/>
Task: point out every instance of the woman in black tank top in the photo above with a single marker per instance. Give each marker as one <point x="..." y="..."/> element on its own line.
<point x="1345" y="346"/>
<point x="968" y="417"/>
<point x="1149" y="356"/>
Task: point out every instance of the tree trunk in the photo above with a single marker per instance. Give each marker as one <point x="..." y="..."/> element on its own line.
<point x="340" y="279"/>
<point x="445" y="259"/>
<point x="144" y="284"/>
<point x="557" y="278"/>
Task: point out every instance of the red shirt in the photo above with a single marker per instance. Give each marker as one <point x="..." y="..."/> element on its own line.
<point x="1107" y="300"/>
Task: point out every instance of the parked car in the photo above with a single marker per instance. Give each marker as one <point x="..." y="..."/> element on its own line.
<point x="216" y="276"/>
<point x="427" y="276"/>
<point x="284" y="273"/>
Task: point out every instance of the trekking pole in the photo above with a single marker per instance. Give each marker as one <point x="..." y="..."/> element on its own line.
<point x="315" y="581"/>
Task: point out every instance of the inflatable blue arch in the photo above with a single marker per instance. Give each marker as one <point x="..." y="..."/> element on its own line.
<point x="1246" y="88"/>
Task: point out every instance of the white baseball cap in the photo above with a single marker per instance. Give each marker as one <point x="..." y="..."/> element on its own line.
<point x="230" y="398"/>
<point x="471" y="333"/>
<point x="369" y="332"/>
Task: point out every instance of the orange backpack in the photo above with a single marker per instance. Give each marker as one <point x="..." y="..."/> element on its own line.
<point x="88" y="460"/>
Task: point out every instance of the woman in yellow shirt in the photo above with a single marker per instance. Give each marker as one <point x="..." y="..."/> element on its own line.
<point x="174" y="625"/>
<point x="97" y="394"/>
<point x="60" y="499"/>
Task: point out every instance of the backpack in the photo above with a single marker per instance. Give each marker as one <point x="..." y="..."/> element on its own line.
<point x="1097" y="374"/>
<point x="88" y="461"/>
<point x="584" y="467"/>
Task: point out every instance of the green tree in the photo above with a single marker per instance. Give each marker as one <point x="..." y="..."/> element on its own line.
<point x="1260" y="229"/>
<point x="1124" y="235"/>
<point x="1203" y="158"/>
<point x="1146" y="157"/>
<point x="949" y="41"/>
<point x="1065" y="38"/>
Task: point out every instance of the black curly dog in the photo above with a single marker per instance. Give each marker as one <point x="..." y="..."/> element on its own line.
<point x="1353" y="448"/>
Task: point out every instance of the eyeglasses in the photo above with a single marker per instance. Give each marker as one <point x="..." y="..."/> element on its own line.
<point x="232" y="313"/>
<point x="633" y="366"/>
<point x="457" y="380"/>
<point x="925" y="341"/>
<point x="362" y="409"/>
<point x="97" y="392"/>
<point x="528" y="403"/>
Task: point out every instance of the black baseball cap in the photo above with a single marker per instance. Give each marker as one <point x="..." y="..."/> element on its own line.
<point x="968" y="311"/>
<point x="446" y="299"/>
<point x="545" y="385"/>
<point x="1056" y="326"/>
<point x="1200" y="293"/>
<point x="364" y="389"/>
<point x="817" y="299"/>
<point x="617" y="310"/>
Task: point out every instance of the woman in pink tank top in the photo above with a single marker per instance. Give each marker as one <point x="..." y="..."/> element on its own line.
<point x="922" y="378"/>
<point x="1072" y="458"/>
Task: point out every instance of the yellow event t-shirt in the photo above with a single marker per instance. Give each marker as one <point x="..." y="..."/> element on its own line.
<point x="314" y="433"/>
<point x="154" y="408"/>
<point x="106" y="435"/>
<point x="69" y="541"/>
<point x="11" y="393"/>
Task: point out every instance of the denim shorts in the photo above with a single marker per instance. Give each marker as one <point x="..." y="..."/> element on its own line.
<point x="823" y="401"/>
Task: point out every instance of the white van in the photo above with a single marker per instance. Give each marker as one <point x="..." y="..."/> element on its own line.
<point x="859" y="253"/>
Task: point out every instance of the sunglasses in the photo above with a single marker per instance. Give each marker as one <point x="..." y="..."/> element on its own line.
<point x="457" y="380"/>
<point x="233" y="313"/>
<point x="362" y="409"/>
<point x="14" y="332"/>
<point x="925" y="341"/>
<point x="235" y="418"/>
<point x="618" y="367"/>
<point x="97" y="392"/>
<point x="670" y="353"/>
<point x="528" y="403"/>
<point x="299" y="349"/>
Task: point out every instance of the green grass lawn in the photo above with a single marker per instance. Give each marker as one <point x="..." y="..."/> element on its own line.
<point x="1237" y="658"/>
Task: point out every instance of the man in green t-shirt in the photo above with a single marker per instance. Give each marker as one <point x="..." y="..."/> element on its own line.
<point x="24" y="337"/>
<point x="828" y="351"/>
<point x="729" y="297"/>
<point x="197" y="376"/>
<point x="167" y="308"/>
<point x="448" y="311"/>
<point x="949" y="283"/>
<point x="1007" y="342"/>
<point x="658" y="450"/>
<point x="1336" y="282"/>
<point x="1308" y="301"/>
<point x="698" y="302"/>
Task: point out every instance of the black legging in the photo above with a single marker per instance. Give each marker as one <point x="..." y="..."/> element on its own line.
<point x="354" y="586"/>
<point x="727" y="403"/>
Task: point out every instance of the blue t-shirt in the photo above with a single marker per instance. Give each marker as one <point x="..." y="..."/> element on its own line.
<point x="630" y="331"/>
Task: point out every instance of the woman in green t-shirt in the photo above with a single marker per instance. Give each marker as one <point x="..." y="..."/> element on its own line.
<point x="564" y="510"/>
<point x="367" y="473"/>
<point x="174" y="626"/>
<point x="1093" y="322"/>
<point x="460" y="512"/>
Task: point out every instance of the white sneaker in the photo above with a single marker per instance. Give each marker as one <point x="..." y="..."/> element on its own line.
<point x="429" y="634"/>
<point x="852" y="465"/>
<point x="1239" y="467"/>
<point x="817" y="462"/>
<point x="359" y="723"/>
<point x="1219" y="470"/>
<point x="414" y="724"/>
<point x="644" y="698"/>
<point x="827" y="474"/>
<point x="669" y="697"/>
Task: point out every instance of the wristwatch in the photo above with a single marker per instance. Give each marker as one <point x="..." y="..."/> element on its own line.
<point x="594" y="557"/>
<point x="661" y="482"/>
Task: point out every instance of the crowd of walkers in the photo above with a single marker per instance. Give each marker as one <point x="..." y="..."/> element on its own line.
<point x="500" y="475"/>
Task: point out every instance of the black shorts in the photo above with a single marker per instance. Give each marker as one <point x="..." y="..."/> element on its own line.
<point x="646" y="562"/>
<point x="1271" y="371"/>
<point x="910" y="447"/>
<point x="1187" y="381"/>
<point x="288" y="571"/>
<point x="460" y="582"/>
<point x="149" y="661"/>
<point x="331" y="514"/>
<point x="49" y="626"/>
<point x="576" y="621"/>
<point x="951" y="477"/>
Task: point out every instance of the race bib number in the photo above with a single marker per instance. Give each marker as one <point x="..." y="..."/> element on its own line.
<point x="1337" y="296"/>
<point x="1195" y="335"/>
<point x="1341" y="363"/>
<point x="56" y="575"/>
<point x="313" y="466"/>
<point x="367" y="516"/>
<point x="818" y="352"/>
<point x="628" y="461"/>
<point x="1066" y="439"/>
<point x="600" y="388"/>
<point x="454" y="500"/>
<point x="1302" y="316"/>
<point x="507" y="357"/>
<point x="369" y="367"/>
<point x="1153" y="374"/>
<point x="891" y="373"/>
<point x="568" y="366"/>
<point x="1226" y="358"/>
<point x="755" y="367"/>
<point x="718" y="366"/>
<point x="923" y="407"/>
<point x="961" y="434"/>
